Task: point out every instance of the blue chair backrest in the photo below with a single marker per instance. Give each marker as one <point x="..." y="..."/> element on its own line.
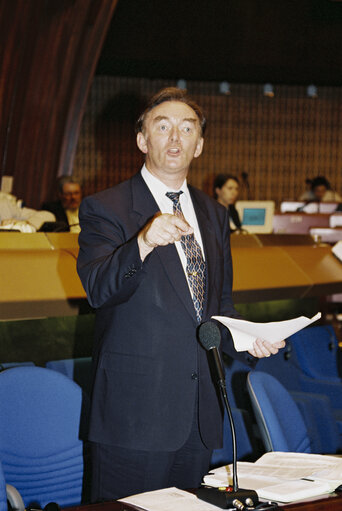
<point x="280" y="422"/>
<point x="224" y="456"/>
<point x="236" y="377"/>
<point x="78" y="369"/>
<point x="283" y="366"/>
<point x="40" y="448"/>
<point x="3" y="496"/>
<point x="316" y="350"/>
<point x="8" y="365"/>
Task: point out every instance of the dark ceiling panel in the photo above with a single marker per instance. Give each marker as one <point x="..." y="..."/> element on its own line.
<point x="285" y="41"/>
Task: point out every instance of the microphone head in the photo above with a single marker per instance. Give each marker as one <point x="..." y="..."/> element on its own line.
<point x="209" y="335"/>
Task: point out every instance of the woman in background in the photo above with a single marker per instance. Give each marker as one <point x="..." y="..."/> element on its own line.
<point x="226" y="191"/>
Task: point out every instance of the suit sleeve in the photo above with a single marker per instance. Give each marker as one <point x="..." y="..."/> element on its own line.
<point x="109" y="263"/>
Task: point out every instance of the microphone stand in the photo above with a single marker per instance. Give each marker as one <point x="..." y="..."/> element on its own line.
<point x="232" y="427"/>
<point x="237" y="497"/>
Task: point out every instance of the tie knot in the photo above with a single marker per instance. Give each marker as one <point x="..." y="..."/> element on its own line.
<point x="174" y="196"/>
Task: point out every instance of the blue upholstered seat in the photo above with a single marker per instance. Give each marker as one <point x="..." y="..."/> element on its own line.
<point x="224" y="456"/>
<point x="40" y="448"/>
<point x="280" y="422"/>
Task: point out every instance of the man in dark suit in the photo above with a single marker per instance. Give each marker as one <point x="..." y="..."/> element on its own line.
<point x="66" y="207"/>
<point x="155" y="262"/>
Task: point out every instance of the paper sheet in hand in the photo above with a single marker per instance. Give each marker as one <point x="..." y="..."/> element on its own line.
<point x="244" y="333"/>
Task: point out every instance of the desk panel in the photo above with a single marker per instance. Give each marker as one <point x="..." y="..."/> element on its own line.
<point x="38" y="274"/>
<point x="23" y="241"/>
<point x="267" y="273"/>
<point x="321" y="267"/>
<point x="38" y="283"/>
<point x="298" y="223"/>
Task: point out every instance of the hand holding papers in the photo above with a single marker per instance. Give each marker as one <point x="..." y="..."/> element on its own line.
<point x="244" y="333"/>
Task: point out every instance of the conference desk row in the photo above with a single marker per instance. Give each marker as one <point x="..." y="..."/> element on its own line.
<point x="329" y="503"/>
<point x="38" y="276"/>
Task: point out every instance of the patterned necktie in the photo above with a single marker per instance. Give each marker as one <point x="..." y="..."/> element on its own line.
<point x="195" y="265"/>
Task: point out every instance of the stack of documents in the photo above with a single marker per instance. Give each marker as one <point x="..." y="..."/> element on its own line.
<point x="283" y="476"/>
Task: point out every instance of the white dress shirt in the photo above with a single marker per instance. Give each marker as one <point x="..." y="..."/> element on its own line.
<point x="158" y="190"/>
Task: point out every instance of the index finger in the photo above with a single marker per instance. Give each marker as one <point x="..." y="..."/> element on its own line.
<point x="181" y="224"/>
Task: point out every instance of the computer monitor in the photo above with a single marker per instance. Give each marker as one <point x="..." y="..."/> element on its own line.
<point x="256" y="216"/>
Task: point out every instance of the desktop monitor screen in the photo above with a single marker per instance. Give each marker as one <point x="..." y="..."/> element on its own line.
<point x="256" y="216"/>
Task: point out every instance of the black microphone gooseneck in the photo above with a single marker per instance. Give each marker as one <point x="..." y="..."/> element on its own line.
<point x="210" y="338"/>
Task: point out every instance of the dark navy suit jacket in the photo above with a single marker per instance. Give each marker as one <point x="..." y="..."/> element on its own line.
<point x="147" y="358"/>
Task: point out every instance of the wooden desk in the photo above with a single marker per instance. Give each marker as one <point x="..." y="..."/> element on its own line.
<point x="38" y="276"/>
<point x="329" y="503"/>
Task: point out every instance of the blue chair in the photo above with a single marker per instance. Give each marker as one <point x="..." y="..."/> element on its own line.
<point x="8" y="365"/>
<point x="323" y="393"/>
<point x="78" y="369"/>
<point x="3" y="494"/>
<point x="10" y="498"/>
<point x="280" y="422"/>
<point x="40" y="447"/>
<point x="316" y="350"/>
<point x="249" y="447"/>
<point x="224" y="456"/>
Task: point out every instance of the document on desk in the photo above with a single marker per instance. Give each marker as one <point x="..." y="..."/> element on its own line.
<point x="168" y="499"/>
<point x="244" y="333"/>
<point x="283" y="476"/>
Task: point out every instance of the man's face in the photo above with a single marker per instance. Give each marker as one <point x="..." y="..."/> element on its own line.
<point x="228" y="193"/>
<point x="319" y="192"/>
<point x="171" y="138"/>
<point x="71" y="196"/>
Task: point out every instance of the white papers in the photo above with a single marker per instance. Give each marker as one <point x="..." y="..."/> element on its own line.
<point x="283" y="476"/>
<point x="168" y="499"/>
<point x="295" y="490"/>
<point x="337" y="250"/>
<point x="244" y="333"/>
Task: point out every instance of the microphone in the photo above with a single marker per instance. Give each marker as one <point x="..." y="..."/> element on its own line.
<point x="238" y="498"/>
<point x="210" y="338"/>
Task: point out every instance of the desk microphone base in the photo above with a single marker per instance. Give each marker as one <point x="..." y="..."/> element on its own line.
<point x="226" y="498"/>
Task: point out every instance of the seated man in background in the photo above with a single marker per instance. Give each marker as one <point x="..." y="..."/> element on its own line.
<point x="66" y="207"/>
<point x="226" y="191"/>
<point x="15" y="217"/>
<point x="320" y="191"/>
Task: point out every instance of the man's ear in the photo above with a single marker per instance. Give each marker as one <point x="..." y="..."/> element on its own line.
<point x="199" y="147"/>
<point x="141" y="142"/>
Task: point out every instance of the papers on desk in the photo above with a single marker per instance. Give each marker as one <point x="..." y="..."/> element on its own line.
<point x="244" y="333"/>
<point x="168" y="499"/>
<point x="283" y="476"/>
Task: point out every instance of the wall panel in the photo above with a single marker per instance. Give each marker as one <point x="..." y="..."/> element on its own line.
<point x="278" y="141"/>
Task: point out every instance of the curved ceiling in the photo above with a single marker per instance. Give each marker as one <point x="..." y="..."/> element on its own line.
<point x="247" y="41"/>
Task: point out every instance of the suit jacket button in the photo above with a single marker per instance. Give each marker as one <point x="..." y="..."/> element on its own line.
<point x="194" y="376"/>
